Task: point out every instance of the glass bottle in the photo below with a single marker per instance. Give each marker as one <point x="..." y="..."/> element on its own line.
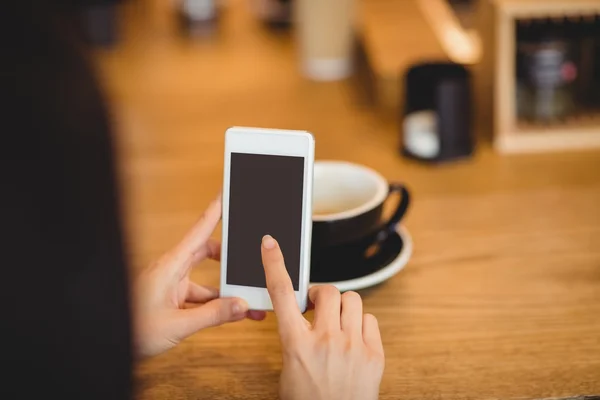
<point x="198" y="17"/>
<point x="546" y="72"/>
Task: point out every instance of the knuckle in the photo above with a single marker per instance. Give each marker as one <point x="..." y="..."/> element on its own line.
<point x="220" y="313"/>
<point x="374" y="362"/>
<point x="351" y="347"/>
<point x="279" y="288"/>
<point x="214" y="316"/>
<point x="370" y="319"/>
<point x="331" y="341"/>
<point x="376" y="359"/>
<point x="351" y="296"/>
<point x="329" y="291"/>
<point x="325" y="340"/>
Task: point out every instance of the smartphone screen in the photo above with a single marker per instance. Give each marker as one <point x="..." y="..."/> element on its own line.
<point x="265" y="197"/>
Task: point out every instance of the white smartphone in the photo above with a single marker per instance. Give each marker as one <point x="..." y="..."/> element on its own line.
<point x="267" y="189"/>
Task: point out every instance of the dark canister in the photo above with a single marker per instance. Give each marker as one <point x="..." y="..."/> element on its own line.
<point x="436" y="122"/>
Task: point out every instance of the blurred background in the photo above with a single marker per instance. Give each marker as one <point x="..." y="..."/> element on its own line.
<point x="488" y="110"/>
<point x="436" y="93"/>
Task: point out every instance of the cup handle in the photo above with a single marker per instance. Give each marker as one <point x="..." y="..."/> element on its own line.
<point x="401" y="208"/>
<point x="389" y="227"/>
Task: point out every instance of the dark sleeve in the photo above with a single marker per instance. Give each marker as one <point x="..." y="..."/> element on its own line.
<point x="65" y="323"/>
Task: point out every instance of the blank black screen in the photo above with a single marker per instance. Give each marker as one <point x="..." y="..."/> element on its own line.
<point x="265" y="197"/>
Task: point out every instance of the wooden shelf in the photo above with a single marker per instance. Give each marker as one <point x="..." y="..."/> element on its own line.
<point x="547" y="8"/>
<point x="577" y="133"/>
<point x="590" y="119"/>
<point x="499" y="66"/>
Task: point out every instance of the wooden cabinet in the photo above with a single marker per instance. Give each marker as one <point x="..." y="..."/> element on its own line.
<point x="496" y="87"/>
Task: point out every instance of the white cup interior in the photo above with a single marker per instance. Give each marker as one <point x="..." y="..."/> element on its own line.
<point x="343" y="190"/>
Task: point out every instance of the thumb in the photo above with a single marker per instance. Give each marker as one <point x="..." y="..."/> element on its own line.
<point x="214" y="313"/>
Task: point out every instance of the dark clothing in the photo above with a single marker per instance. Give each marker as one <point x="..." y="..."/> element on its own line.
<point x="65" y="318"/>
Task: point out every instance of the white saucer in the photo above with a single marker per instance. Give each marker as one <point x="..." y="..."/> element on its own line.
<point x="384" y="273"/>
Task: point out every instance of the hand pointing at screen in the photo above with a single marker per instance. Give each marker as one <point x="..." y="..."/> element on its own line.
<point x="337" y="356"/>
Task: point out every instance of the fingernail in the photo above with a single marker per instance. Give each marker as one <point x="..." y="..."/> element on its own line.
<point x="239" y="308"/>
<point x="268" y="242"/>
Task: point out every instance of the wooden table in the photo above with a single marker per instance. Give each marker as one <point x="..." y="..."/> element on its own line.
<point x="502" y="296"/>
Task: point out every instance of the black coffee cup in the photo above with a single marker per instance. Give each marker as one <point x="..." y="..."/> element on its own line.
<point x="348" y="224"/>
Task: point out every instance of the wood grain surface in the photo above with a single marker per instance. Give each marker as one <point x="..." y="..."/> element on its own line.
<point x="502" y="296"/>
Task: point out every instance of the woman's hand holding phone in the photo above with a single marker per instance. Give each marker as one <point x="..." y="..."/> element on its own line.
<point x="338" y="356"/>
<point x="169" y="307"/>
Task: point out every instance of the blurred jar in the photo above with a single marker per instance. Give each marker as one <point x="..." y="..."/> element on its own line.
<point x="199" y="17"/>
<point x="325" y="35"/>
<point x="595" y="82"/>
<point x="275" y="13"/>
<point x="546" y="72"/>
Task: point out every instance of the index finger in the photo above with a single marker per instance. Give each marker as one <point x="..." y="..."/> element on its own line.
<point x="280" y="287"/>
